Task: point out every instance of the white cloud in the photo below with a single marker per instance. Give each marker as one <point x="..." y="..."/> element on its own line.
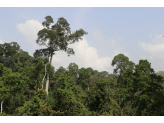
<point x="85" y="56"/>
<point x="1" y="42"/>
<point x="156" y="48"/>
<point x="30" y="29"/>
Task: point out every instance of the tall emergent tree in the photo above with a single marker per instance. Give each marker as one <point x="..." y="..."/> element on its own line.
<point x="58" y="36"/>
<point x="122" y="63"/>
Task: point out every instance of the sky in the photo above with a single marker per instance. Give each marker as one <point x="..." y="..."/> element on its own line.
<point x="135" y="32"/>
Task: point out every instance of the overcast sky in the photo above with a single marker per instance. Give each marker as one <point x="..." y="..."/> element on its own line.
<point x="134" y="32"/>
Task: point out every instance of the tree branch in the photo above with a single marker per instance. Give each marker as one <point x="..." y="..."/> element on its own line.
<point x="45" y="44"/>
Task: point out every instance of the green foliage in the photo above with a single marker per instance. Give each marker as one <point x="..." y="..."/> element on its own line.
<point x="130" y="90"/>
<point x="142" y="88"/>
<point x="7" y="61"/>
<point x="9" y="49"/>
<point x="61" y="70"/>
<point x="20" y="58"/>
<point x="66" y="97"/>
<point x="103" y="73"/>
<point x="100" y="99"/>
<point x="4" y="114"/>
<point x="11" y="89"/>
<point x="35" y="107"/>
<point x="73" y="69"/>
<point x="122" y="63"/>
<point x="59" y="36"/>
<point x="83" y="79"/>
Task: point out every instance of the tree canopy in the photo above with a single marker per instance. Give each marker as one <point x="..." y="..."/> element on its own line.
<point x="32" y="86"/>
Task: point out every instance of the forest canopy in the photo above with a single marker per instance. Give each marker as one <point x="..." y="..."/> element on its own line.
<point x="30" y="86"/>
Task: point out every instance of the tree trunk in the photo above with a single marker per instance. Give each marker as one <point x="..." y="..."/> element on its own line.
<point x="47" y="83"/>
<point x="44" y="76"/>
<point x="1" y="106"/>
<point x="4" y="54"/>
<point x="88" y="87"/>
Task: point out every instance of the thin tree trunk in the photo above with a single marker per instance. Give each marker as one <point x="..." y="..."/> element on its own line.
<point x="1" y="106"/>
<point x="47" y="83"/>
<point x="44" y="76"/>
<point x="88" y="87"/>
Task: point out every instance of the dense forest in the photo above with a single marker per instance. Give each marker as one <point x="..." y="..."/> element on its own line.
<point x="30" y="85"/>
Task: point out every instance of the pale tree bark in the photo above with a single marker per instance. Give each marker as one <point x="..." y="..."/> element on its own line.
<point x="1" y="106"/>
<point x="47" y="83"/>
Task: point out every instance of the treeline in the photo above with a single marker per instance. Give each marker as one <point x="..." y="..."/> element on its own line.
<point x="30" y="86"/>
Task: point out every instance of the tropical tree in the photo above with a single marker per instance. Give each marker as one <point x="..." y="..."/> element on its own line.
<point x="4" y="90"/>
<point x="35" y="107"/>
<point x="9" y="49"/>
<point x="7" y="61"/>
<point x="83" y="79"/>
<point x="122" y="63"/>
<point x="104" y="73"/>
<point x="96" y="73"/>
<point x="73" y="69"/>
<point x="93" y="79"/>
<point x="59" y="36"/>
<point x="90" y="70"/>
<point x="100" y="99"/>
<point x="142" y="87"/>
<point x="11" y="85"/>
<point x="67" y="101"/>
<point x="161" y="73"/>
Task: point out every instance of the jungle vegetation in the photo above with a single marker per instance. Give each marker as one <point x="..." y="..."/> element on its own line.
<point x="30" y="86"/>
